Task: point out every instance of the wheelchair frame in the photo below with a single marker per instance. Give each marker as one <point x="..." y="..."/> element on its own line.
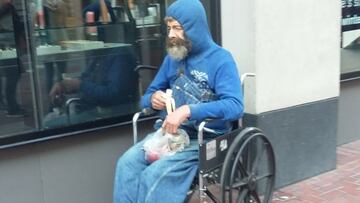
<point x="236" y="168"/>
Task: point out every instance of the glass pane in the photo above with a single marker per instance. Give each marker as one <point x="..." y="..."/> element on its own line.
<point x="16" y="92"/>
<point x="350" y="52"/>
<point x="75" y="63"/>
<point x="86" y="55"/>
<point x="150" y="40"/>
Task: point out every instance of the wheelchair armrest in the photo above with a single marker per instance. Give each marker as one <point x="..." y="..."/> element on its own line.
<point x="67" y="106"/>
<point x="201" y="132"/>
<point x="70" y="101"/>
<point x="202" y="129"/>
<point x="148" y="67"/>
<point x="143" y="112"/>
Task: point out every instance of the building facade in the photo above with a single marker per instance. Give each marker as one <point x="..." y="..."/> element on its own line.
<point x="297" y="97"/>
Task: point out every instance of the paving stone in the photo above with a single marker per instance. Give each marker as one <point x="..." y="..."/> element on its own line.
<point x="341" y="185"/>
<point x="338" y="186"/>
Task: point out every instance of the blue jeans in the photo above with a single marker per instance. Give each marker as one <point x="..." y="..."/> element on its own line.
<point x="165" y="180"/>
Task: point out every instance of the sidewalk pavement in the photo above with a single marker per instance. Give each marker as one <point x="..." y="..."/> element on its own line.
<point x="337" y="186"/>
<point x="341" y="185"/>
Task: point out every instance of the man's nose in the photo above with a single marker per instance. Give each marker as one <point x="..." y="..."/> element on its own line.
<point x="171" y="34"/>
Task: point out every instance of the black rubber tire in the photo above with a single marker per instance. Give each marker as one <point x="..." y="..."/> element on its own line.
<point x="242" y="175"/>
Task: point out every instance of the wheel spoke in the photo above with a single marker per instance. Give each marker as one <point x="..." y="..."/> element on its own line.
<point x="241" y="168"/>
<point x="240" y="183"/>
<point x="258" y="178"/>
<point x="242" y="195"/>
<point x="255" y="195"/>
<point x="257" y="160"/>
<point x="245" y="170"/>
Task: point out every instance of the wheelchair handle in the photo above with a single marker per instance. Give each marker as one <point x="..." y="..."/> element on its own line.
<point x="246" y="75"/>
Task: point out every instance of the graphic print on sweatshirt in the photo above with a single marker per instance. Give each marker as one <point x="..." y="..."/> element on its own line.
<point x="200" y="78"/>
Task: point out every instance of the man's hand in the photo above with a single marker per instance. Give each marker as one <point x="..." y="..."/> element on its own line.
<point x="56" y="91"/>
<point x="71" y="85"/>
<point x="158" y="100"/>
<point x="174" y="119"/>
<point x="65" y="86"/>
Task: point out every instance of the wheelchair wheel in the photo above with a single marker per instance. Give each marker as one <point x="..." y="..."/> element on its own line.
<point x="248" y="173"/>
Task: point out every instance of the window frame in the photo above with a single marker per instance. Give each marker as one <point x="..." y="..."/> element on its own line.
<point x="39" y="135"/>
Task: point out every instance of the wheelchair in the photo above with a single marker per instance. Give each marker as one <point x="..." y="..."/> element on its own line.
<point x="240" y="165"/>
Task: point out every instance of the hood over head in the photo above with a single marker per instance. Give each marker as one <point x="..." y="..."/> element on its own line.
<point x="192" y="17"/>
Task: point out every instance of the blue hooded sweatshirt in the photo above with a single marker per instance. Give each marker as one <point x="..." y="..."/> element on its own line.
<point x="207" y="63"/>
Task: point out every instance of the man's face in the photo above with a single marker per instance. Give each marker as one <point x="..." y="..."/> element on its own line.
<point x="177" y="44"/>
<point x="175" y="30"/>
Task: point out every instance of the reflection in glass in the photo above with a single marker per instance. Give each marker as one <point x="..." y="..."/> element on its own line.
<point x="105" y="88"/>
<point x="87" y="53"/>
<point x="15" y="92"/>
<point x="350" y="52"/>
<point x="70" y="62"/>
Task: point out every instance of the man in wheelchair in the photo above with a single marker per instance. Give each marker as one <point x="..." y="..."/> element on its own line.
<point x="205" y="83"/>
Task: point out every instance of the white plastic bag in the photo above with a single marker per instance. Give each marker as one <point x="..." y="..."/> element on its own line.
<point x="165" y="144"/>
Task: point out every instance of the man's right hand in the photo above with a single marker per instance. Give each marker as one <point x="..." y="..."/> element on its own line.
<point x="56" y="91"/>
<point x="158" y="100"/>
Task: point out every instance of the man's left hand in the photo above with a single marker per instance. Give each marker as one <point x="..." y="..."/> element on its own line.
<point x="174" y="119"/>
<point x="71" y="85"/>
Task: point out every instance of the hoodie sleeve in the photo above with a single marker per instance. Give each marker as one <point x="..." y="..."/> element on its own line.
<point x="160" y="82"/>
<point x="230" y="103"/>
<point x="103" y="93"/>
<point x="112" y="80"/>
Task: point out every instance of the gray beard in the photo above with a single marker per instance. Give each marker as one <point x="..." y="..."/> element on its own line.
<point x="177" y="52"/>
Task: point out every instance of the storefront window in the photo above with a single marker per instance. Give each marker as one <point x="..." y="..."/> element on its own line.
<point x="70" y="65"/>
<point x="86" y="56"/>
<point x="350" y="44"/>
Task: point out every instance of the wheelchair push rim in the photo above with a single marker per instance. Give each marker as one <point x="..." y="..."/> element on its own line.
<point x="248" y="173"/>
